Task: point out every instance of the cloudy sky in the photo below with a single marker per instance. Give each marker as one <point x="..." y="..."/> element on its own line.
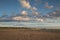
<point x="29" y="8"/>
<point x="38" y="13"/>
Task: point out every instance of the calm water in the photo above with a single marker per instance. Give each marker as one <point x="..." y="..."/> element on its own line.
<point x="30" y="24"/>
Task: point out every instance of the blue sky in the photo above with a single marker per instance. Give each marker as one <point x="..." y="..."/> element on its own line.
<point x="17" y="6"/>
<point x="9" y="6"/>
<point x="31" y="10"/>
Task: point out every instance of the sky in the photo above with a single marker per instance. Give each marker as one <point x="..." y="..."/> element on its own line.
<point x="37" y="13"/>
<point x="44" y="8"/>
<point x="9" y="6"/>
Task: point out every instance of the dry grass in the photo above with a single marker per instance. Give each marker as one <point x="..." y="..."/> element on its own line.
<point x="27" y="34"/>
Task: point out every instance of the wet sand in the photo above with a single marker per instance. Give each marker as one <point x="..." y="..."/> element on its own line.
<point x="27" y="34"/>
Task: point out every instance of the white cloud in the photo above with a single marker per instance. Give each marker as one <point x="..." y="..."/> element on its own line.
<point x="33" y="8"/>
<point x="54" y="12"/>
<point x="26" y="19"/>
<point x="25" y="4"/>
<point x="48" y="6"/>
<point x="35" y="13"/>
<point x="24" y="13"/>
<point x="17" y="18"/>
<point x="47" y="15"/>
<point x="20" y="18"/>
<point x="39" y="19"/>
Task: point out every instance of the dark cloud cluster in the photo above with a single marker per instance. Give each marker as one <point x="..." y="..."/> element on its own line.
<point x="53" y="14"/>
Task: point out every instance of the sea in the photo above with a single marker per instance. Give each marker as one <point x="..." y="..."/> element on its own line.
<point x="31" y="25"/>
